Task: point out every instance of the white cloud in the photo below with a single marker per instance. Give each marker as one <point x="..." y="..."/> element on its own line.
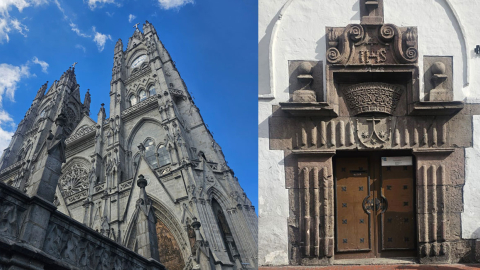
<point x="4" y="29"/>
<point x="19" y="27"/>
<point x="10" y="76"/>
<point x="78" y="46"/>
<point x="131" y="17"/>
<point x="43" y="64"/>
<point x="168" y="4"/>
<point x="6" y="121"/>
<point x="8" y="24"/>
<point x="76" y="30"/>
<point x="110" y="14"/>
<point x="93" y="3"/>
<point x="100" y="39"/>
<point x="61" y="9"/>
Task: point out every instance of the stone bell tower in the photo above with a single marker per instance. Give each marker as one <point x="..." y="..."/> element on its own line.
<point x="19" y="160"/>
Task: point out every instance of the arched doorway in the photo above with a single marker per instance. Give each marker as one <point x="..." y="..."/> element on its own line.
<point x="168" y="248"/>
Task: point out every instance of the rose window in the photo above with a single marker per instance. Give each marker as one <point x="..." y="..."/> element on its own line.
<point x="74" y="181"/>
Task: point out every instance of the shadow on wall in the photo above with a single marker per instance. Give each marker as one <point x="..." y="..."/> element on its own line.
<point x="263" y="58"/>
<point x="459" y="31"/>
<point x="356" y="7"/>
<point x="476" y="234"/>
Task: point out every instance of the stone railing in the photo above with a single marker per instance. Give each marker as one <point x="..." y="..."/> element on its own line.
<point x="67" y="244"/>
<point x="12" y="167"/>
<point x="139" y="107"/>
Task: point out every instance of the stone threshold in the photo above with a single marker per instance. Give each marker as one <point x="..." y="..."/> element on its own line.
<point x="375" y="261"/>
<point x="378" y="267"/>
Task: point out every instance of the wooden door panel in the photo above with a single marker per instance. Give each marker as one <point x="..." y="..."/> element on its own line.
<point x="352" y="187"/>
<point x="398" y="221"/>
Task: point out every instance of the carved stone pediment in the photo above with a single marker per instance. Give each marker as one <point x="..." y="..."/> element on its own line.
<point x="384" y="44"/>
<point x="373" y="97"/>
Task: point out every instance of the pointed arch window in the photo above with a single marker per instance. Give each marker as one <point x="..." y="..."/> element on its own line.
<point x="142" y="95"/>
<point x="42" y="114"/>
<point x="133" y="100"/>
<point x="150" y="153"/>
<point x="152" y="91"/>
<point x="163" y="156"/>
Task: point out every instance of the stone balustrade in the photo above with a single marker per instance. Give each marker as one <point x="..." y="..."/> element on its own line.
<point x="63" y="244"/>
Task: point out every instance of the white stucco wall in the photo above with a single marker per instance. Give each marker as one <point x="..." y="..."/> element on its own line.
<point x="445" y="28"/>
<point x="471" y="190"/>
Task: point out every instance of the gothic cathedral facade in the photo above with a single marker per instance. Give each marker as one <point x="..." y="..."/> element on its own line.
<point x="150" y="177"/>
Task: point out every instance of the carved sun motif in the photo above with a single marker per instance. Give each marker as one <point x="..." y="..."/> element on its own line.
<point x="74" y="180"/>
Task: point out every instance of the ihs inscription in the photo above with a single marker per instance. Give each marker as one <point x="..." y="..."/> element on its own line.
<point x="372" y="56"/>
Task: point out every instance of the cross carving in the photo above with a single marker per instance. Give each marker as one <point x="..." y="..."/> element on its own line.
<point x="74" y="64"/>
<point x="136" y="26"/>
<point x="374" y="121"/>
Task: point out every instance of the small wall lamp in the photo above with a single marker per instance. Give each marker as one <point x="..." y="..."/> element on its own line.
<point x="477" y="49"/>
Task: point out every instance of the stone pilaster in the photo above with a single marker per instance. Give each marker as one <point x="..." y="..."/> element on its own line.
<point x="438" y="221"/>
<point x="311" y="228"/>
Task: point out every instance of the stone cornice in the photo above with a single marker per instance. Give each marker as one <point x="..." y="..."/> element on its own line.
<point x="327" y="152"/>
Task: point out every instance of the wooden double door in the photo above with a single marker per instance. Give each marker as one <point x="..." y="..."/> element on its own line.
<point x="375" y="208"/>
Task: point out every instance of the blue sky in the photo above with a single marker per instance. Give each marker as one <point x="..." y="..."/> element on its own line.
<point x="213" y="43"/>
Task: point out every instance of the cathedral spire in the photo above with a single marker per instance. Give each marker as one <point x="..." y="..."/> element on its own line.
<point x="101" y="114"/>
<point x="69" y="78"/>
<point x="41" y="91"/>
<point x="148" y="28"/>
<point x="86" y="103"/>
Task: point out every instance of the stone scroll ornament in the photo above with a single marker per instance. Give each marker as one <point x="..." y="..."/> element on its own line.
<point x="372" y="45"/>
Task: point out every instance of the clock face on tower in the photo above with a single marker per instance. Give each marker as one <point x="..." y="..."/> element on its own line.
<point x="138" y="61"/>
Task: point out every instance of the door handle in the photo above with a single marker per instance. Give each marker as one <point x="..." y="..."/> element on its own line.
<point x="367" y="204"/>
<point x="381" y="204"/>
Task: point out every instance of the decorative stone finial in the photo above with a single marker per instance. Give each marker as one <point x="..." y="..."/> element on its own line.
<point x="305" y="79"/>
<point x="142" y="182"/>
<point x="305" y="68"/>
<point x="438" y="93"/>
<point x="196" y="226"/>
